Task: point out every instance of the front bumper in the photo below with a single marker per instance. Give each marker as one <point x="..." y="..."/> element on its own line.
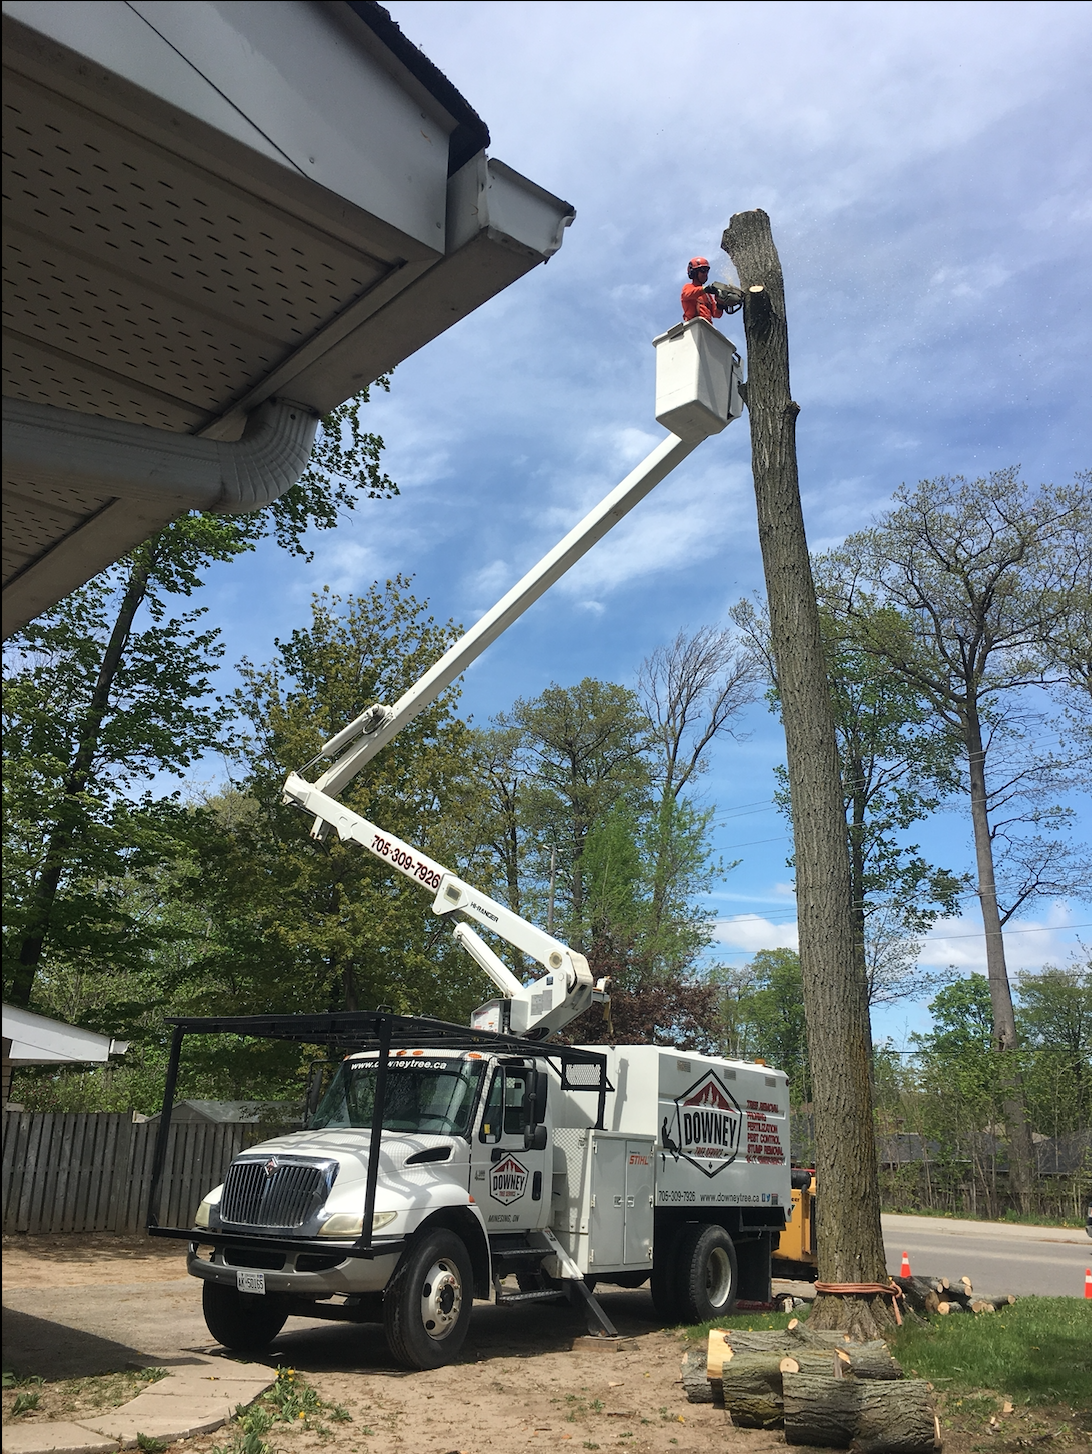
<point x="352" y="1275"/>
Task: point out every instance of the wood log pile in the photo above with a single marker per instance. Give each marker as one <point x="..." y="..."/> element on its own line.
<point x="936" y="1296"/>
<point x="822" y="1389"/>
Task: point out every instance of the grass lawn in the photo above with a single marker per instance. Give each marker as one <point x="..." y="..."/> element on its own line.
<point x="1037" y="1352"/>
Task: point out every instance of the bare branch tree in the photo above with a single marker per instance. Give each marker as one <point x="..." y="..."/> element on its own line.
<point x="691" y="690"/>
<point x="961" y="591"/>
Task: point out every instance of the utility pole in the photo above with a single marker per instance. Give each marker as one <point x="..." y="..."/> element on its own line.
<point x="850" y="1243"/>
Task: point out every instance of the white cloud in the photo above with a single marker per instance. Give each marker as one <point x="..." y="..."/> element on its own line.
<point x="752" y="933"/>
<point x="492" y="581"/>
<point x="1029" y="943"/>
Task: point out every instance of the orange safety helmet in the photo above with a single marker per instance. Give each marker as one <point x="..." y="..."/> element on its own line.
<point x="694" y="264"/>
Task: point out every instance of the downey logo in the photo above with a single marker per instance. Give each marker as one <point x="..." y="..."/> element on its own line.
<point x="507" y="1180"/>
<point x="706" y="1125"/>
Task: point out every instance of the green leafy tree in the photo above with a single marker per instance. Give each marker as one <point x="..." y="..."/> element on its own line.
<point x="764" y="1016"/>
<point x="304" y="925"/>
<point x="1054" y="1021"/>
<point x="958" y="1094"/>
<point x="110" y="688"/>
<point x="585" y="752"/>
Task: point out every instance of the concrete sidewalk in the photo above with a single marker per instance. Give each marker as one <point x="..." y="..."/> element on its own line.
<point x="198" y="1395"/>
<point x="896" y="1222"/>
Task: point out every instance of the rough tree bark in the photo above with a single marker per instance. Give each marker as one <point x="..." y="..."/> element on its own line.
<point x="850" y="1245"/>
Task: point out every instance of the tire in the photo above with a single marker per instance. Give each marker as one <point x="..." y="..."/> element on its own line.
<point x="665" y="1295"/>
<point x="706" y="1275"/>
<point x="427" y="1303"/>
<point x="242" y="1321"/>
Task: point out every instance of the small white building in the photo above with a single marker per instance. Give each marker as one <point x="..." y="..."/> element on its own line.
<point x="34" y="1040"/>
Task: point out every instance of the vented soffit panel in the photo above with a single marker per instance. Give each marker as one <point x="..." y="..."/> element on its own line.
<point x="171" y="265"/>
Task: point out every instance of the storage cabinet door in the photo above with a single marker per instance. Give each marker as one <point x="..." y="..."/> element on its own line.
<point x="608" y="1208"/>
<point x="640" y="1165"/>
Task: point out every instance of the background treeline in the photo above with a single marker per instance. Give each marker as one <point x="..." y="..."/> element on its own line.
<point x="957" y="633"/>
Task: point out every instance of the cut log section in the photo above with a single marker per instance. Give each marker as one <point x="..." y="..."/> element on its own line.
<point x="896" y="1418"/>
<point x="877" y="1417"/>
<point x="820" y="1410"/>
<point x="873" y="1360"/>
<point x="697" y="1386"/>
<point x="773" y="1341"/>
<point x="821" y="1337"/>
<point x="751" y="1389"/>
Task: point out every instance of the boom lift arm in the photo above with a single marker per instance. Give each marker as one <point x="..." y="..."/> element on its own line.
<point x="565" y="990"/>
<point x="698" y="395"/>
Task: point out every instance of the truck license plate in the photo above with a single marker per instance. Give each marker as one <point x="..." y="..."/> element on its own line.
<point x="250" y="1281"/>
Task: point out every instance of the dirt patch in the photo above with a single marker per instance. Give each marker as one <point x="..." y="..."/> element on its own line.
<point x="502" y="1400"/>
<point x="70" y="1398"/>
<point x="92" y="1258"/>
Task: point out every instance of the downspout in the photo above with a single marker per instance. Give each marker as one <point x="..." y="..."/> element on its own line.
<point x="131" y="461"/>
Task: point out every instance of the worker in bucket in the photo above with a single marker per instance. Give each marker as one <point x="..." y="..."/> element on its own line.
<point x="703" y="299"/>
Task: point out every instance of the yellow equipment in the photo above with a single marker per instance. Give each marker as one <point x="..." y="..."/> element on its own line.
<point x="797" y="1241"/>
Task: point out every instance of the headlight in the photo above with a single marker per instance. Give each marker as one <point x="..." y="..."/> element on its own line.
<point x="212" y="1200"/>
<point x="344" y="1224"/>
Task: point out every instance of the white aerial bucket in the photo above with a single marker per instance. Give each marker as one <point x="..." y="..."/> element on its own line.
<point x="698" y="373"/>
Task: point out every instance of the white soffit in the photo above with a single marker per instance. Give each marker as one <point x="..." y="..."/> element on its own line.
<point x="209" y="205"/>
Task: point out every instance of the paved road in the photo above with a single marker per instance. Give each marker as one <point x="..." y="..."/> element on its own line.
<point x="998" y="1258"/>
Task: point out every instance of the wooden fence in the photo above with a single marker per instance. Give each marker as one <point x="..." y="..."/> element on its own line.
<point x="91" y="1171"/>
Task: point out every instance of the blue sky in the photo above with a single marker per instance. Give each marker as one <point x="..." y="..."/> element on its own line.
<point x="928" y="172"/>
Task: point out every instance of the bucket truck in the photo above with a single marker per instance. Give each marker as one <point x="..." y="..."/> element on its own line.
<point x="441" y="1159"/>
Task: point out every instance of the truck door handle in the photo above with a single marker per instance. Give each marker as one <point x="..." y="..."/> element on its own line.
<point x="536" y="1187"/>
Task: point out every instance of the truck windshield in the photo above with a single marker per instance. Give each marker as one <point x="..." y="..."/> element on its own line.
<point x="432" y="1096"/>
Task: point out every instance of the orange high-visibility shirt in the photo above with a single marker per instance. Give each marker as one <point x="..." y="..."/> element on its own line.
<point x="697" y="303"/>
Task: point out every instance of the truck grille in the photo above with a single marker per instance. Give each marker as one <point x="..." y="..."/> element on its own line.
<point x="272" y="1193"/>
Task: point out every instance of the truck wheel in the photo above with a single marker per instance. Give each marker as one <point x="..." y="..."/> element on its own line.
<point x="705" y="1272"/>
<point x="665" y="1292"/>
<point x="426" y="1304"/>
<point x="241" y="1320"/>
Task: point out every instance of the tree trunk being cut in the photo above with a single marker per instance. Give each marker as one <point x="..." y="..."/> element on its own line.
<point x="850" y="1244"/>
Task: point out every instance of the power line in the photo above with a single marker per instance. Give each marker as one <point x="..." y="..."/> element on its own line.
<point x="731" y="848"/>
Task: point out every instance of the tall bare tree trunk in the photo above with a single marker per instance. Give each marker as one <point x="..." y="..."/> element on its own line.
<point x="75" y="784"/>
<point x="850" y="1244"/>
<point x="1021" y="1148"/>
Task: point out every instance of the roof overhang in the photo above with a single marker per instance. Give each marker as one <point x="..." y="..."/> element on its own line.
<point x="36" y="1040"/>
<point x="213" y="205"/>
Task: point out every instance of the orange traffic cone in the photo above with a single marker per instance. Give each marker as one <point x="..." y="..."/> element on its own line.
<point x="904" y="1270"/>
<point x="1088" y="1282"/>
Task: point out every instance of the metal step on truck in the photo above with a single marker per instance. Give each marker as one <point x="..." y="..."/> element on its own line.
<point x="441" y="1160"/>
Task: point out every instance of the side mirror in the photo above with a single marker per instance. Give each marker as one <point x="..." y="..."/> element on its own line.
<point x="534" y="1138"/>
